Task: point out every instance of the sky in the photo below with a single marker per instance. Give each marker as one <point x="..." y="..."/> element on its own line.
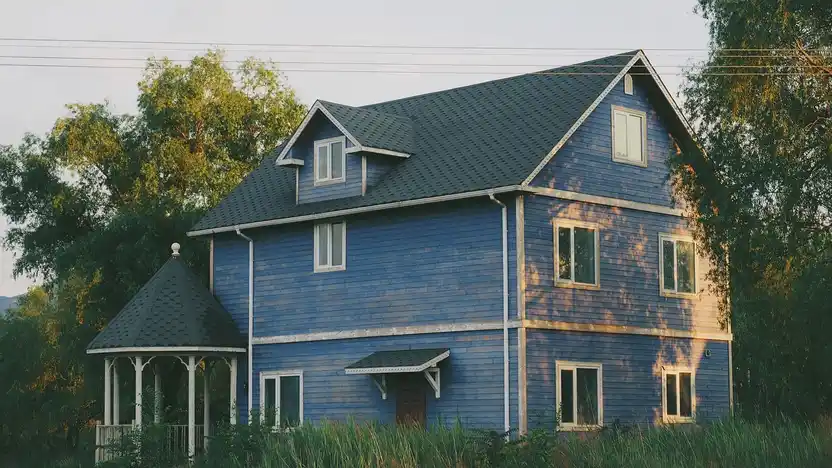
<point x="446" y="38"/>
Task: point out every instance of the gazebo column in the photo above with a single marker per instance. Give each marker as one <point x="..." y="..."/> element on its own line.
<point x="137" y="364"/>
<point x="157" y="394"/>
<point x="191" y="406"/>
<point x="108" y="392"/>
<point x="233" y="390"/>
<point x="116" y="395"/>
<point x="206" y="410"/>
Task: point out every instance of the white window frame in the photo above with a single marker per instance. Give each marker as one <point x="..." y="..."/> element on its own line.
<point x="675" y="293"/>
<point x="328" y="143"/>
<point x="572" y="224"/>
<point x="636" y="113"/>
<point x="574" y="366"/>
<point x="276" y="375"/>
<point x="670" y="418"/>
<point x="628" y="84"/>
<point x="318" y="268"/>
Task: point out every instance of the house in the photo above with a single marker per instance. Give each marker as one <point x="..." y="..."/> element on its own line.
<point x="507" y="254"/>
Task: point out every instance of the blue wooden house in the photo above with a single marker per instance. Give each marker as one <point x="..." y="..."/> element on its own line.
<point x="507" y="254"/>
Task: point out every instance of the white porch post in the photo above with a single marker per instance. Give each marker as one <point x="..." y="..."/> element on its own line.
<point x="233" y="390"/>
<point x="157" y="392"/>
<point x="138" y="365"/>
<point x="191" y="407"/>
<point x="108" y="390"/>
<point x="206" y="410"/>
<point x="116" y="395"/>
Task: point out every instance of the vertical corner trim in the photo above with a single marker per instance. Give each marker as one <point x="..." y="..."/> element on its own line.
<point x="297" y="185"/>
<point x="211" y="266"/>
<point x="522" y="418"/>
<point x="520" y="240"/>
<point x="363" y="174"/>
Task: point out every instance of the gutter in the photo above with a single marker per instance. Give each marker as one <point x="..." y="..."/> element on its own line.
<point x="504" y="232"/>
<point x="250" y="318"/>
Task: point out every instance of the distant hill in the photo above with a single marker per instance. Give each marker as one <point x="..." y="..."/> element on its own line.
<point x="6" y="303"/>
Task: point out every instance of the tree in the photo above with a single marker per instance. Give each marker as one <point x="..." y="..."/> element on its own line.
<point x="760" y="187"/>
<point x="96" y="203"/>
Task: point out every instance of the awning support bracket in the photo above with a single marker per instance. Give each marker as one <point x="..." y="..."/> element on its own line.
<point x="432" y="376"/>
<point x="381" y="384"/>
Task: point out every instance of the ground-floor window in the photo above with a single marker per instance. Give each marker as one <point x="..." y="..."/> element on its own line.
<point x="678" y="395"/>
<point x="281" y="398"/>
<point x="579" y="395"/>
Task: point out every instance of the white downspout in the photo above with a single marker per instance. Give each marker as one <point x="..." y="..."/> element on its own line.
<point x="250" y="318"/>
<point x="505" y="313"/>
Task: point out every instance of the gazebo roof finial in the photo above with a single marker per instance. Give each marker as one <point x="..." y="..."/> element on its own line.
<point x="175" y="248"/>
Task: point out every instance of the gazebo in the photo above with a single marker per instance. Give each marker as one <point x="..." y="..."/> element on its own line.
<point x="175" y="317"/>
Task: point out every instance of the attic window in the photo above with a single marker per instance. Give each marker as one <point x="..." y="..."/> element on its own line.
<point x="330" y="160"/>
<point x="629" y="136"/>
<point x="628" y="84"/>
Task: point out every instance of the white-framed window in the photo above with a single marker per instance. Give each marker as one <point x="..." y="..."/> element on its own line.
<point x="579" y="395"/>
<point x="678" y="395"/>
<point x="677" y="265"/>
<point x="629" y="136"/>
<point x="281" y="398"/>
<point x="628" y="84"/>
<point x="330" y="160"/>
<point x="330" y="246"/>
<point x="577" y="253"/>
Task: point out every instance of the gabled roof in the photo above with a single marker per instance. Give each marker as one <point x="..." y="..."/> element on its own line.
<point x="488" y="137"/>
<point x="173" y="310"/>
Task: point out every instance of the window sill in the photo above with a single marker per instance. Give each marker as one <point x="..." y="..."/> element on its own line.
<point x="329" y="268"/>
<point x="580" y="428"/>
<point x="573" y="285"/>
<point x="679" y="295"/>
<point x="678" y="420"/>
<point x="631" y="163"/>
<point x="319" y="183"/>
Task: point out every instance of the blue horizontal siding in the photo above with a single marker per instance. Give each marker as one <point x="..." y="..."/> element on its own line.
<point x="629" y="293"/>
<point x="378" y="166"/>
<point x="632" y="369"/>
<point x="321" y="128"/>
<point x="471" y="378"/>
<point x="584" y="164"/>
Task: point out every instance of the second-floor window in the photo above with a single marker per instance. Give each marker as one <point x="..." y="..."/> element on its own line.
<point x="576" y="253"/>
<point x="330" y="246"/>
<point x="677" y="267"/>
<point x="629" y="136"/>
<point x="329" y="160"/>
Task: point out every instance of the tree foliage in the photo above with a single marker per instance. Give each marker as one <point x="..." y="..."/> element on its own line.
<point x="762" y="192"/>
<point x="94" y="206"/>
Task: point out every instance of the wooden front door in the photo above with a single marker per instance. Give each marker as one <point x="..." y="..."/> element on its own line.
<point x="410" y="399"/>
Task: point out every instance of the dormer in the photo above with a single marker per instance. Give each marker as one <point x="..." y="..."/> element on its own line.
<point x="340" y="151"/>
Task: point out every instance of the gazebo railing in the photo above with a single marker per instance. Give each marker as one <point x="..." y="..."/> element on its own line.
<point x="108" y="436"/>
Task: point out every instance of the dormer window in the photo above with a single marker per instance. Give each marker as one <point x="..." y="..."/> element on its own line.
<point x="330" y="160"/>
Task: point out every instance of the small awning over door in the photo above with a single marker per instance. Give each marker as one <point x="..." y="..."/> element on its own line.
<point x="398" y="362"/>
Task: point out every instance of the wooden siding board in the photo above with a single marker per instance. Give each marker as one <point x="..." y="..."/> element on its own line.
<point x="378" y="166"/>
<point x="631" y="373"/>
<point x="471" y="378"/>
<point x="585" y="164"/>
<point x="629" y="257"/>
<point x="321" y="128"/>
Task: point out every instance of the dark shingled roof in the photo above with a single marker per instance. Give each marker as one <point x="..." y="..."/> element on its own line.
<point x="172" y="310"/>
<point x="399" y="358"/>
<point x="477" y="137"/>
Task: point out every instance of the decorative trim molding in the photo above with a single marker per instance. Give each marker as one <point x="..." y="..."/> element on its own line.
<point x="318" y="106"/>
<point x="290" y="162"/>
<point x="391" y="370"/>
<point x="167" y="349"/>
<point x="370" y="149"/>
<point x="625" y="330"/>
<point x="606" y="201"/>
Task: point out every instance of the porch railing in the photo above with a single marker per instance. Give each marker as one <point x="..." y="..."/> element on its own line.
<point x="107" y="437"/>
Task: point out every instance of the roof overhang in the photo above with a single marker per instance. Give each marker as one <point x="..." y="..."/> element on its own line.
<point x="167" y="350"/>
<point x="397" y="362"/>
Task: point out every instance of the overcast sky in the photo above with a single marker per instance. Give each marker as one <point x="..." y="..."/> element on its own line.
<point x="31" y="98"/>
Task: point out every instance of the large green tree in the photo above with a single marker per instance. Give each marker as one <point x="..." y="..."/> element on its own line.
<point x="762" y="193"/>
<point x="94" y="206"/>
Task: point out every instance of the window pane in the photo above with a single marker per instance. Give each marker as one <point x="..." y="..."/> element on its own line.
<point x="323" y="244"/>
<point x="323" y="162"/>
<point x="566" y="396"/>
<point x="269" y="409"/>
<point x="337" y="152"/>
<point x="634" y="137"/>
<point x="585" y="255"/>
<point x="587" y="396"/>
<point x="668" y="265"/>
<point x="685" y="395"/>
<point x="289" y="401"/>
<point x="337" y="244"/>
<point x="686" y="260"/>
<point x="620" y="148"/>
<point x="564" y="253"/>
<point x="670" y="398"/>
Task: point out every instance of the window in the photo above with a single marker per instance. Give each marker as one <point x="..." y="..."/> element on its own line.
<point x="679" y="395"/>
<point x="628" y="84"/>
<point x="281" y="399"/>
<point x="330" y="160"/>
<point x="629" y="136"/>
<point x="677" y="267"/>
<point x="576" y="253"/>
<point x="330" y="246"/>
<point x="579" y="395"/>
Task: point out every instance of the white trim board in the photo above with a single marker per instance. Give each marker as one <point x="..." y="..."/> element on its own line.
<point x="392" y="370"/>
<point x="167" y="349"/>
<point x="605" y="201"/>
